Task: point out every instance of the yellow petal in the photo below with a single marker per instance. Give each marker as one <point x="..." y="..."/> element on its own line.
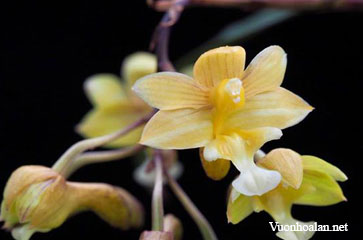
<point x="216" y="169"/>
<point x="317" y="164"/>
<point x="178" y="129"/>
<point x="219" y="64"/>
<point x="322" y="190"/>
<point x="279" y="108"/>
<point x="287" y="162"/>
<point x="104" y="90"/>
<point x="138" y="65"/>
<point x="265" y="72"/>
<point x="114" y="205"/>
<point x="256" y="138"/>
<point x="101" y="122"/>
<point x="239" y="208"/>
<point x="169" y="91"/>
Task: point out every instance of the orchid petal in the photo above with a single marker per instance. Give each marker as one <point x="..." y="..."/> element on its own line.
<point x="218" y="64"/>
<point x="137" y="65"/>
<point x="322" y="190"/>
<point x="317" y="164"/>
<point x="279" y="108"/>
<point x="239" y="208"/>
<point x="265" y="72"/>
<point x="178" y="129"/>
<point x="101" y="122"/>
<point x="169" y="91"/>
<point x="104" y="90"/>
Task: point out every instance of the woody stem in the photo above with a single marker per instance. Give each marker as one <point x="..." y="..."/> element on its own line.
<point x="164" y="5"/>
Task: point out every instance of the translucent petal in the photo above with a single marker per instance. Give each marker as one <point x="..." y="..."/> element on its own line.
<point x="265" y="72"/>
<point x="178" y="129"/>
<point x="169" y="91"/>
<point x="219" y="64"/>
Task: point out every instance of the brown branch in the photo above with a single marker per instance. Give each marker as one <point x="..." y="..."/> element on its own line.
<point x="165" y="5"/>
<point x="160" y="39"/>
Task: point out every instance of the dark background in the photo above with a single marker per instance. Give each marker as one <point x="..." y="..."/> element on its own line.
<point x="47" y="50"/>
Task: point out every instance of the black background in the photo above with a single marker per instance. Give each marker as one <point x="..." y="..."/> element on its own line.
<point x="47" y="50"/>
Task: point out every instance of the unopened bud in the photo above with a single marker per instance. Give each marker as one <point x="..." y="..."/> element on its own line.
<point x="156" y="235"/>
<point x="38" y="199"/>
<point x="173" y="225"/>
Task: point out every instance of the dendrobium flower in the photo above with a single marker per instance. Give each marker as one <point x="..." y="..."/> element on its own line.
<point x="306" y="180"/>
<point x="115" y="105"/>
<point x="226" y="110"/>
<point x="38" y="199"/>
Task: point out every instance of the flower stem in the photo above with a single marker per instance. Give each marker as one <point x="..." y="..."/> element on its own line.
<point x="157" y="198"/>
<point x="202" y="223"/>
<point x="160" y="39"/>
<point x="65" y="162"/>
<point x="164" y="5"/>
<point x="101" y="156"/>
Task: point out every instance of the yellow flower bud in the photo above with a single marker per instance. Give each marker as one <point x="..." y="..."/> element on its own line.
<point x="173" y="225"/>
<point x="38" y="199"/>
<point x="216" y="169"/>
<point x="156" y="235"/>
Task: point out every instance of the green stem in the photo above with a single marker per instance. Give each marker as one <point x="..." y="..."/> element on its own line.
<point x="65" y="162"/>
<point x="100" y="157"/>
<point x="157" y="198"/>
<point x="202" y="223"/>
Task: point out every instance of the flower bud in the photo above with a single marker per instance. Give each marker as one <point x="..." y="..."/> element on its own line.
<point x="156" y="235"/>
<point x="38" y="199"/>
<point x="173" y="225"/>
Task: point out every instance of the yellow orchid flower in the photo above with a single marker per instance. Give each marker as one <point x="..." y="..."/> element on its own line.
<point x="115" y="106"/>
<point x="223" y="108"/>
<point x="307" y="180"/>
<point x="38" y="199"/>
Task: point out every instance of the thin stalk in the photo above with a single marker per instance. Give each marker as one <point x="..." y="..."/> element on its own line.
<point x="164" y="5"/>
<point x="100" y="157"/>
<point x="157" y="198"/>
<point x="65" y="162"/>
<point x="202" y="223"/>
